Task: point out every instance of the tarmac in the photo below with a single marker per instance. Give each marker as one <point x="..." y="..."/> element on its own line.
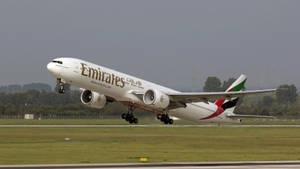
<point x="168" y="126"/>
<point x="208" y="165"/>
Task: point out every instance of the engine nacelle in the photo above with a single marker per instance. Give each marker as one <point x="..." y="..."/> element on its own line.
<point x="156" y="99"/>
<point x="93" y="99"/>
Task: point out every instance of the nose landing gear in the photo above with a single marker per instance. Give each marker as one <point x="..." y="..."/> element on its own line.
<point x="61" y="86"/>
<point x="129" y="117"/>
<point x="165" y="118"/>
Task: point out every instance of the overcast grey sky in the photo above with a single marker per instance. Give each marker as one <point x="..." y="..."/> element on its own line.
<point x="170" y="42"/>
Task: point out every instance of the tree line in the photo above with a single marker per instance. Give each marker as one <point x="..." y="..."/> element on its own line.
<point x="26" y="87"/>
<point x="47" y="103"/>
<point x="51" y="104"/>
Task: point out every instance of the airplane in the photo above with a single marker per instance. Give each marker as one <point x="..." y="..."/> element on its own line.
<point x="101" y="85"/>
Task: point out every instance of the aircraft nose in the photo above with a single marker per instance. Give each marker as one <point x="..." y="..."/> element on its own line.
<point x="51" y="69"/>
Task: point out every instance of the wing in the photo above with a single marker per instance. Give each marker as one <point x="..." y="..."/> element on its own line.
<point x="181" y="99"/>
<point x="210" y="96"/>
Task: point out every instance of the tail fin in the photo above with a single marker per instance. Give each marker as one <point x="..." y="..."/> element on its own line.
<point x="236" y="86"/>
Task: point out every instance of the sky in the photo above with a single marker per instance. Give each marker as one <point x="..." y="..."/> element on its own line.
<point x="175" y="43"/>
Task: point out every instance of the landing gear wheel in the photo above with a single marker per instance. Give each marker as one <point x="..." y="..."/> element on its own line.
<point x="129" y="117"/>
<point x="165" y="118"/>
<point x="171" y="121"/>
<point x="123" y="116"/>
<point x="158" y="116"/>
<point x="61" y="89"/>
<point x="135" y="121"/>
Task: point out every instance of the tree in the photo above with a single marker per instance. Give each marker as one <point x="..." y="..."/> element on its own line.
<point x="10" y="109"/>
<point x="228" y="83"/>
<point x="32" y="96"/>
<point x="37" y="86"/>
<point x="212" y="84"/>
<point x="267" y="101"/>
<point x="287" y="94"/>
<point x="14" y="88"/>
<point x="26" y="87"/>
<point x="2" y="109"/>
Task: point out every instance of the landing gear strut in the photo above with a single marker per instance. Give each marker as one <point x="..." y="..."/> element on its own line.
<point x="165" y="118"/>
<point x="61" y="88"/>
<point x="129" y="117"/>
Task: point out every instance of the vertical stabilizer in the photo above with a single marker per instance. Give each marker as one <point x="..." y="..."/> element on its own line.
<point x="238" y="85"/>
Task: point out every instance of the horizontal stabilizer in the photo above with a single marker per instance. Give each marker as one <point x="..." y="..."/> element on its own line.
<point x="239" y="116"/>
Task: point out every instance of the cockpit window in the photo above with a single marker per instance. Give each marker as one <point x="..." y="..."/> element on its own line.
<point x="59" y="62"/>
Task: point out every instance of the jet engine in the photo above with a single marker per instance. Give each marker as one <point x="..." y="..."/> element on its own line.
<point x="156" y="98"/>
<point x="93" y="99"/>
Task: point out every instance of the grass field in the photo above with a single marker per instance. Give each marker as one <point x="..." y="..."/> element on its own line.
<point x="119" y="145"/>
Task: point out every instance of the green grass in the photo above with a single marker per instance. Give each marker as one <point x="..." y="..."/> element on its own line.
<point x="121" y="145"/>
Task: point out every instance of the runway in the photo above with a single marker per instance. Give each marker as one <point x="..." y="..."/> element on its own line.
<point x="166" y="126"/>
<point x="209" y="165"/>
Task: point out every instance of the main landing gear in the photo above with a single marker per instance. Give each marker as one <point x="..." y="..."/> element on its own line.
<point x="61" y="87"/>
<point x="129" y="117"/>
<point x="165" y="118"/>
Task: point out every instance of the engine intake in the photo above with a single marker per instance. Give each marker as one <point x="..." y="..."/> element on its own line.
<point x="156" y="98"/>
<point x="93" y="99"/>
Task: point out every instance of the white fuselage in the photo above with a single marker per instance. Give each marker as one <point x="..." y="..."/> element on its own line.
<point x="120" y="86"/>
